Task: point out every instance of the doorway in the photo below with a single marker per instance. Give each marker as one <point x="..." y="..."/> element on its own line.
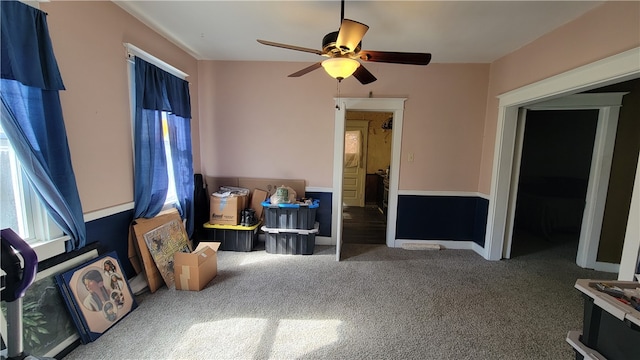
<point x="396" y="107"/>
<point x="368" y="137"/>
<point x="606" y="106"/>
<point x="617" y="68"/>
<point x="553" y="177"/>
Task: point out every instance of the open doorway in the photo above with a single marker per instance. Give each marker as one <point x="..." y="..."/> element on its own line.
<point x="553" y="177"/>
<point x="611" y="70"/>
<point x="368" y="136"/>
<point x="393" y="105"/>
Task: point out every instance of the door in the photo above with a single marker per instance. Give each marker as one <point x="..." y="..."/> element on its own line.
<point x="355" y="162"/>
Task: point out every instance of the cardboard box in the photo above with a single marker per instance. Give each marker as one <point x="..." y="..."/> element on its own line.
<point x="226" y="210"/>
<point x="270" y="185"/>
<point x="193" y="271"/>
<point x="257" y="197"/>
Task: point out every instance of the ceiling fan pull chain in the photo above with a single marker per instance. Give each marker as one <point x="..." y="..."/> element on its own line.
<point x="338" y="89"/>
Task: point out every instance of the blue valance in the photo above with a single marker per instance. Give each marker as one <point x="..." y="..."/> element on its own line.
<point x="26" y="47"/>
<point x="162" y="91"/>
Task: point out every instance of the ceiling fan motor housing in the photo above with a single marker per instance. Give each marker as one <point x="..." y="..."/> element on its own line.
<point x="329" y="46"/>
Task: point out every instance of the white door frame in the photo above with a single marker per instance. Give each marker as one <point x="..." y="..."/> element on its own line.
<point x="393" y="105"/>
<point x="617" y="68"/>
<point x="608" y="106"/>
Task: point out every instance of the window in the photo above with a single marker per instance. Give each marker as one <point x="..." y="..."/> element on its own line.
<point x="172" y="198"/>
<point x="21" y="208"/>
<point x="352" y="148"/>
<point x="161" y="127"/>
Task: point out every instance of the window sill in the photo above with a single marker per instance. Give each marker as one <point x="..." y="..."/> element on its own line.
<point x="48" y="249"/>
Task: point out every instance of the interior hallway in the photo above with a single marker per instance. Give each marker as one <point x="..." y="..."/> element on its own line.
<point x="363" y="225"/>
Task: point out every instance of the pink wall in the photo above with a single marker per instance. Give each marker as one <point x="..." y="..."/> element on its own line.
<point x="605" y="31"/>
<point x="257" y="122"/>
<point x="87" y="39"/>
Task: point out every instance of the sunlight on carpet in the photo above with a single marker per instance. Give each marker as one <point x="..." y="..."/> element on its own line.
<point x="225" y="339"/>
<point x="295" y="338"/>
<point x="234" y="338"/>
<point x="261" y="258"/>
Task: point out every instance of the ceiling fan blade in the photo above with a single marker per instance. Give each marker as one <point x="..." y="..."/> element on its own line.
<point x="308" y="69"/>
<point x="350" y="34"/>
<point x="395" y="57"/>
<point x="290" y="47"/>
<point x="363" y="75"/>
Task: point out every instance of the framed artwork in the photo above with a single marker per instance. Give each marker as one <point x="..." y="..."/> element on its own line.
<point x="97" y="295"/>
<point x="47" y="327"/>
<point x="164" y="241"/>
<point x="162" y="235"/>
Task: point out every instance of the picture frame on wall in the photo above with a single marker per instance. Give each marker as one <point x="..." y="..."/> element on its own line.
<point x="97" y="295"/>
<point x="48" y="328"/>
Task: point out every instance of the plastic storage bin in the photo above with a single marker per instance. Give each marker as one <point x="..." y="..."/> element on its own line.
<point x="290" y="216"/>
<point x="232" y="237"/>
<point x="610" y="328"/>
<point x="288" y="241"/>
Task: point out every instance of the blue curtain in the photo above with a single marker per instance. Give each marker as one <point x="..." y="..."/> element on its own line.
<point x="32" y="115"/>
<point x="157" y="91"/>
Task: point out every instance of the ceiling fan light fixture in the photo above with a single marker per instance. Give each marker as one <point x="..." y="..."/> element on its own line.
<point x="340" y="68"/>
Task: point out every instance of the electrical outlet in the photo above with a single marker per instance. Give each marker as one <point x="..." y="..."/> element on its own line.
<point x="410" y="157"/>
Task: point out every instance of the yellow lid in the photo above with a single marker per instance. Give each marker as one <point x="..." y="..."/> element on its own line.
<point x="231" y="227"/>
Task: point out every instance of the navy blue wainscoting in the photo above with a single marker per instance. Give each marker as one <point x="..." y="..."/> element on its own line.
<point x="323" y="214"/>
<point x="112" y="232"/>
<point x="457" y="218"/>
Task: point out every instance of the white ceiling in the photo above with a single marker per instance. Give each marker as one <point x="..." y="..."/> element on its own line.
<point x="452" y="31"/>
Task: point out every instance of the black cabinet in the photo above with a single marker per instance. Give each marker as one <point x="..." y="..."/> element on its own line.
<point x="371" y="191"/>
<point x="383" y="193"/>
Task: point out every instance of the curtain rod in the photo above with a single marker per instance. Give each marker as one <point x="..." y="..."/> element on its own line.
<point x="133" y="50"/>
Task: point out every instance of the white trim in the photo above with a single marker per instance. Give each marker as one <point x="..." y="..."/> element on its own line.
<point x="607" y="105"/>
<point x="318" y="189"/>
<point x="631" y="247"/>
<point x="598" y="186"/>
<point x="581" y="101"/>
<point x="133" y="50"/>
<point x="515" y="179"/>
<point x="324" y="240"/>
<point x="98" y="214"/>
<point x="48" y="249"/>
<point x="617" y="68"/>
<point x="443" y="193"/>
<point x="611" y="70"/>
<point x="395" y="105"/>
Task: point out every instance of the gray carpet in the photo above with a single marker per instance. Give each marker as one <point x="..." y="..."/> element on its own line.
<point x="379" y="303"/>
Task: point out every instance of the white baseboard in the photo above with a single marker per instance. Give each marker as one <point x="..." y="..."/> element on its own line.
<point x="607" y="267"/>
<point x="445" y="244"/>
<point x="324" y="240"/>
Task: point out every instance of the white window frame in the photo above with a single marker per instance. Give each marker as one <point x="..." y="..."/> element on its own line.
<point x="35" y="225"/>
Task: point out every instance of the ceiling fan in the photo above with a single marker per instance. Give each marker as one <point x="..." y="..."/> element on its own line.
<point x="344" y="47"/>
